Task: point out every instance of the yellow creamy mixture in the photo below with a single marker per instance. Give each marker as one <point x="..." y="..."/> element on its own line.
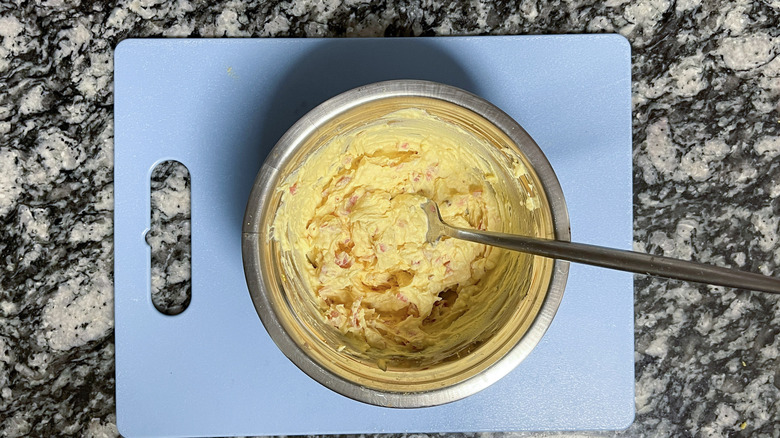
<point x="351" y="217"/>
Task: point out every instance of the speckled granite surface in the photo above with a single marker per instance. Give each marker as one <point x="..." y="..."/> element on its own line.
<point x="707" y="178"/>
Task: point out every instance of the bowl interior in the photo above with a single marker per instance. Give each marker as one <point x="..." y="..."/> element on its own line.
<point x="497" y="323"/>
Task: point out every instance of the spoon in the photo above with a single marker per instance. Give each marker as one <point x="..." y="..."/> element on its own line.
<point x="622" y="260"/>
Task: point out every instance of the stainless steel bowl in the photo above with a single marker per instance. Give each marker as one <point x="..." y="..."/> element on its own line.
<point x="308" y="348"/>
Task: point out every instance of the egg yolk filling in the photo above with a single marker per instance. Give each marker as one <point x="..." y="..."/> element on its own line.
<point x="351" y="218"/>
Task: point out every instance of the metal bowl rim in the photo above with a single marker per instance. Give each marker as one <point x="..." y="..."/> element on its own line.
<point x="268" y="178"/>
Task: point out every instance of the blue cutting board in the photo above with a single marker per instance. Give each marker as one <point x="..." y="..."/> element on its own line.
<point x="218" y="106"/>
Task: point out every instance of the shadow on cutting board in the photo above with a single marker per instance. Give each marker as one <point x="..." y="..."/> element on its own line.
<point x="329" y="69"/>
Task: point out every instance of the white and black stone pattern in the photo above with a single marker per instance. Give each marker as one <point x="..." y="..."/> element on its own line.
<point x="706" y="87"/>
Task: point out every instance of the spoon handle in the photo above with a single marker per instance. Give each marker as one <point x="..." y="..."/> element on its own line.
<point x="622" y="260"/>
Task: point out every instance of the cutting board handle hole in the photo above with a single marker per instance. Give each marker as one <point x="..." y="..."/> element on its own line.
<point x="170" y="237"/>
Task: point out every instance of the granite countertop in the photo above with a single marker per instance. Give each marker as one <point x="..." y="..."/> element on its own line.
<point x="706" y="86"/>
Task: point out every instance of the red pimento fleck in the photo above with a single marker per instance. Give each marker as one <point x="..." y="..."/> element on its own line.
<point x="405" y="146"/>
<point x="416" y="177"/>
<point x="401" y="297"/>
<point x="351" y="202"/>
<point x="401" y="223"/>
<point x="448" y="270"/>
<point x="343" y="260"/>
<point x="382" y="247"/>
<point x="343" y="181"/>
<point x="334" y="314"/>
<point x="293" y="188"/>
<point x="431" y="170"/>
